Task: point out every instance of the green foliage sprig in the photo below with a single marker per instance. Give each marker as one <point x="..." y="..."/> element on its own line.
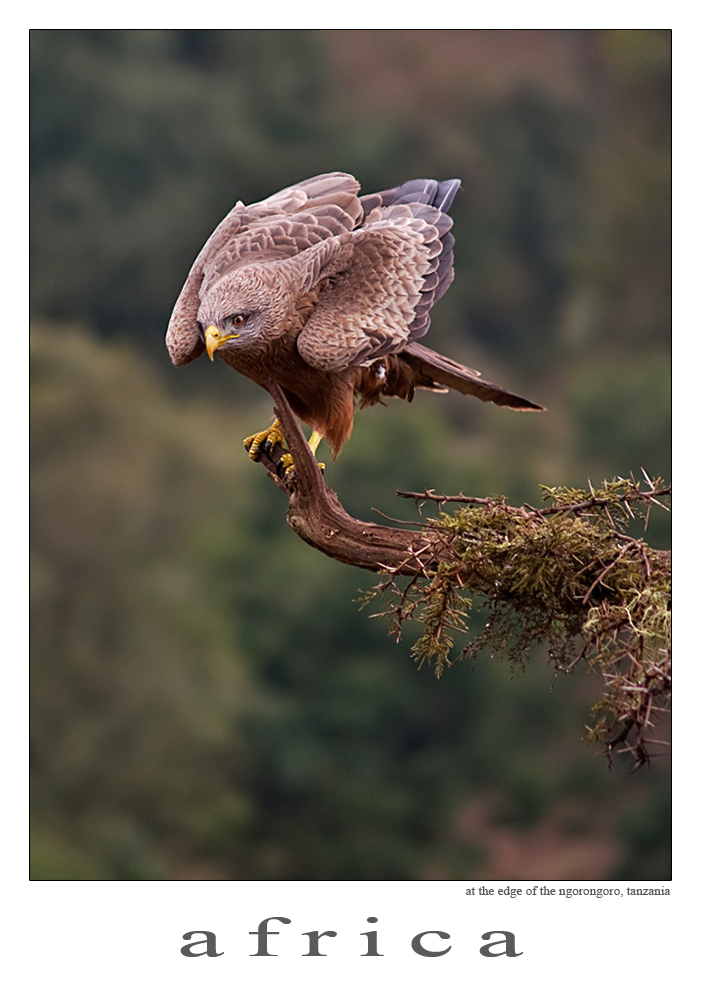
<point x="565" y="576"/>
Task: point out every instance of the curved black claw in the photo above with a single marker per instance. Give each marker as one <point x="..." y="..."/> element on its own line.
<point x="285" y="465"/>
<point x="264" y="441"/>
<point x="267" y="447"/>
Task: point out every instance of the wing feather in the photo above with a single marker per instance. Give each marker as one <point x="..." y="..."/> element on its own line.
<point x="367" y="308"/>
<point x="384" y="277"/>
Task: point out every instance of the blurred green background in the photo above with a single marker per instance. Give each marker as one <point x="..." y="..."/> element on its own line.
<point x="208" y="700"/>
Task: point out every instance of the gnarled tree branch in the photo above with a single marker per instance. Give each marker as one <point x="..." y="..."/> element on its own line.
<point x="564" y="575"/>
<point x="317" y="516"/>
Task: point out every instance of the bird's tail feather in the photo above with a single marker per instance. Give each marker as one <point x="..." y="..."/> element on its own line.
<point x="445" y="372"/>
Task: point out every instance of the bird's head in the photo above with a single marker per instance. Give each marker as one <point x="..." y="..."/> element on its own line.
<point x="247" y="308"/>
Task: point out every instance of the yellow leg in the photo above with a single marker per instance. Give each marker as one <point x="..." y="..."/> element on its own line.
<point x="314" y="441"/>
<point x="271" y="436"/>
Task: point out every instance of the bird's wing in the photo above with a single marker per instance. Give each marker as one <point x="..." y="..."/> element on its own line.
<point x="285" y="224"/>
<point x="383" y="279"/>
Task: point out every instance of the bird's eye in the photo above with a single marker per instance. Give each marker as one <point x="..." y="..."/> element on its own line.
<point x="237" y="320"/>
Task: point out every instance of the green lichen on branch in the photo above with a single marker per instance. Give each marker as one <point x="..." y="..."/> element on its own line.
<point x="565" y="576"/>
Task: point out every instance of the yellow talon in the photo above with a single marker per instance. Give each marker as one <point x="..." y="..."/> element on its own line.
<point x="271" y="437"/>
<point x="285" y="465"/>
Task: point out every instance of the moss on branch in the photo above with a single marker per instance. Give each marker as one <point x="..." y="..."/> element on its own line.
<point x="566" y="577"/>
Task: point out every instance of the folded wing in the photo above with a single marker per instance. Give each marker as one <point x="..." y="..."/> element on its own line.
<point x="382" y="279"/>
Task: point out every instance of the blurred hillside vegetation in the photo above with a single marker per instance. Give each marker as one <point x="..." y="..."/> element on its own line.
<point x="208" y="699"/>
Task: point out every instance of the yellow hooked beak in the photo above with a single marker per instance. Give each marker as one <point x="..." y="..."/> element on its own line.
<point x="214" y="338"/>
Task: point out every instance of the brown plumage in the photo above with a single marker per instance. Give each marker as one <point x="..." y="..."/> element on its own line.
<point x="326" y="293"/>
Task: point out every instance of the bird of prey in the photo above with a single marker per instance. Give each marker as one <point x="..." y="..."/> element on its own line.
<point x="327" y="294"/>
